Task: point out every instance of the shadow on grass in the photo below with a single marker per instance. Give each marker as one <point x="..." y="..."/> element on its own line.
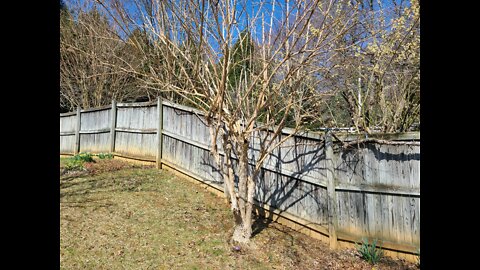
<point x="89" y="202"/>
<point x="263" y="221"/>
<point x="86" y="190"/>
<point x="259" y="224"/>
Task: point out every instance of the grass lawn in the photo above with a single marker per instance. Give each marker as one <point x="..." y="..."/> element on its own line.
<point x="115" y="215"/>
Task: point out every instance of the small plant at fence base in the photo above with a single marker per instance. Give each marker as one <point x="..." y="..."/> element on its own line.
<point x="73" y="165"/>
<point x="370" y="252"/>
<point x="76" y="162"/>
<point x="105" y="156"/>
<point x="84" y="157"/>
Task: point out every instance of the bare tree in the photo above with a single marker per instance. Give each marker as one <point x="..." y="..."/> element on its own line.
<point x="93" y="61"/>
<point x="254" y="68"/>
<point x="276" y="67"/>
<point x="379" y="75"/>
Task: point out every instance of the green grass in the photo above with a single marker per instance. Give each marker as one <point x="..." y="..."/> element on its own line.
<point x="64" y="160"/>
<point x="115" y="215"/>
<point x="142" y="218"/>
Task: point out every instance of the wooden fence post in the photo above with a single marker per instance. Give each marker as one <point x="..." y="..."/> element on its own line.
<point x="113" y="125"/>
<point x="77" y="132"/>
<point x="332" y="200"/>
<point x="159" y="132"/>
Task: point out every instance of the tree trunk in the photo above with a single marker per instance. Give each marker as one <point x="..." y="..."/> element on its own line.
<point x="229" y="178"/>
<point x="243" y="224"/>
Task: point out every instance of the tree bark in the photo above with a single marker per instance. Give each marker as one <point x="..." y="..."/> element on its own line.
<point x="243" y="227"/>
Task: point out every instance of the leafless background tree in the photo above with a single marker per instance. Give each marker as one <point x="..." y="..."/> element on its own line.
<point x="95" y="62"/>
<point x="378" y="77"/>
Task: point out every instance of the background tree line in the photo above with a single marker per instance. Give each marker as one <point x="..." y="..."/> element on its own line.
<point x="372" y="84"/>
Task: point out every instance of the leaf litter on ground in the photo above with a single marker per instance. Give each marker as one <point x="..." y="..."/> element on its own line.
<point x="118" y="215"/>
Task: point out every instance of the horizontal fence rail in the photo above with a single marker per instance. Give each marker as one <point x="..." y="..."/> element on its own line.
<point x="345" y="193"/>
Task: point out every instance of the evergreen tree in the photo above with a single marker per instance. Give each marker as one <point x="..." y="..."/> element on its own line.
<point x="242" y="52"/>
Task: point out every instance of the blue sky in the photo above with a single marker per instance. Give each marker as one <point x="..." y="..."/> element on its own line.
<point x="251" y="8"/>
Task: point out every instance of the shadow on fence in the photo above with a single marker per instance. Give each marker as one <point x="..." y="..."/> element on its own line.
<point x="278" y="191"/>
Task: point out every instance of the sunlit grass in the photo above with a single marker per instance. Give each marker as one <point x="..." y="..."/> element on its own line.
<point x="115" y="215"/>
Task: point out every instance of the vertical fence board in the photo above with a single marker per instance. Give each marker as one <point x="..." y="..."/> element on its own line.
<point x="159" y="132"/>
<point x="332" y="200"/>
<point x="77" y="131"/>
<point x="113" y="125"/>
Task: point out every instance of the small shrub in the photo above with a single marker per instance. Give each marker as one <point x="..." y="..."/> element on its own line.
<point x="370" y="252"/>
<point x="84" y="157"/>
<point x="76" y="162"/>
<point x="105" y="156"/>
<point x="74" y="165"/>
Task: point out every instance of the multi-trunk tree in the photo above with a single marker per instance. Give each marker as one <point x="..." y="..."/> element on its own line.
<point x="249" y="65"/>
<point x="256" y="67"/>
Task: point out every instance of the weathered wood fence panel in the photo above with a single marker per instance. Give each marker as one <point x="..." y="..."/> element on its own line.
<point x="67" y="123"/>
<point x="136" y="129"/>
<point x="379" y="192"/>
<point x="67" y="133"/>
<point x="95" y="120"/>
<point x="67" y="144"/>
<point x="375" y="187"/>
<point x="95" y="131"/>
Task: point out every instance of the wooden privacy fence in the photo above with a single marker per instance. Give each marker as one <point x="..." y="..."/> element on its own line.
<point x="371" y="190"/>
